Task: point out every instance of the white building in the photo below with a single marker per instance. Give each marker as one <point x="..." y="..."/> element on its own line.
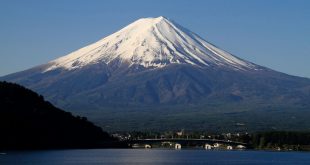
<point x="181" y="133"/>
<point x="208" y="147"/>
<point x="229" y="147"/>
<point x="147" y="146"/>
<point x="216" y="145"/>
<point x="177" y="146"/>
<point x="240" y="147"/>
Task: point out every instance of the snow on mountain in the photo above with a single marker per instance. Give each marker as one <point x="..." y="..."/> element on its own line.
<point x="151" y="42"/>
<point x="211" y="84"/>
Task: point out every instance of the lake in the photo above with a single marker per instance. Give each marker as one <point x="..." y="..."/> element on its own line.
<point x="152" y="156"/>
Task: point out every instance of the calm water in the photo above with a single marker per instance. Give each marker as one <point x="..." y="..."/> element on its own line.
<point x="146" y="157"/>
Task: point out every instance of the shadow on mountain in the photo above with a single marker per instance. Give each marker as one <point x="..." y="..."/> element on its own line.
<point x="27" y="121"/>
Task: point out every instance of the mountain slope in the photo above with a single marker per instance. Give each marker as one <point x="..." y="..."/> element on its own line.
<point x="156" y="66"/>
<point x="29" y="122"/>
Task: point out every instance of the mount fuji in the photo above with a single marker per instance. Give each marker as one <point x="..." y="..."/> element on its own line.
<point x="155" y="74"/>
<point x="151" y="43"/>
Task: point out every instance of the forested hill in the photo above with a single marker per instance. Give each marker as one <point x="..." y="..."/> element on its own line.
<point x="27" y="121"/>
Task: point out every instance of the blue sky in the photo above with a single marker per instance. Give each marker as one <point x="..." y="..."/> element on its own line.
<point x="272" y="33"/>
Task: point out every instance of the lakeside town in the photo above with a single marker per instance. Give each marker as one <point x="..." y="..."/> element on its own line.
<point x="274" y="141"/>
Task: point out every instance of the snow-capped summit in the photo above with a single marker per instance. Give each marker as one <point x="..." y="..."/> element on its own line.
<point x="151" y="42"/>
<point x="184" y="80"/>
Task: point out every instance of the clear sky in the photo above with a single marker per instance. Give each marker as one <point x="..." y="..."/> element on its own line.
<point x="272" y="33"/>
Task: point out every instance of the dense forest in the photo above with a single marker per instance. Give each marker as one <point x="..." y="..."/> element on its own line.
<point x="27" y="121"/>
<point x="281" y="139"/>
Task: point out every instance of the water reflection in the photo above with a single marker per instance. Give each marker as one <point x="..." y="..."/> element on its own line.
<point x="152" y="157"/>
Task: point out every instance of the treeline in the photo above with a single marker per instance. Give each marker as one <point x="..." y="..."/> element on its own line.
<point x="27" y="121"/>
<point x="272" y="140"/>
<point x="283" y="140"/>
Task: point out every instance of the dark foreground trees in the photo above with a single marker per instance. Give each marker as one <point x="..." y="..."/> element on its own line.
<point x="282" y="140"/>
<point x="27" y="121"/>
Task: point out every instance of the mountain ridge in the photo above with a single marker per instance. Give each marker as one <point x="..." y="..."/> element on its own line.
<point x="91" y="81"/>
<point x="150" y="42"/>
